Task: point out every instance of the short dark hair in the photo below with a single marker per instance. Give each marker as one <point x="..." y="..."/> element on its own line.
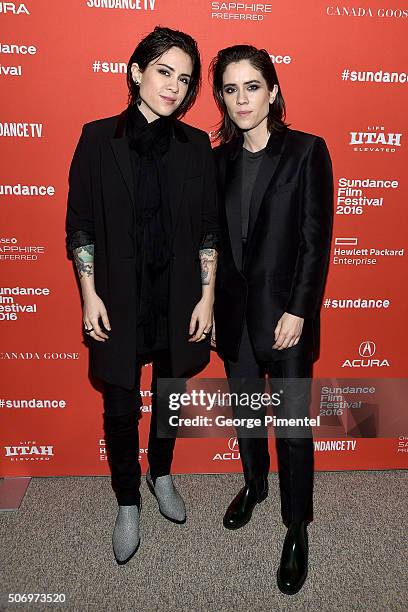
<point x="260" y="60"/>
<point x="152" y="47"/>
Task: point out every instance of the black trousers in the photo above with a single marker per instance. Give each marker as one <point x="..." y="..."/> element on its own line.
<point x="294" y="446"/>
<point x="121" y="419"/>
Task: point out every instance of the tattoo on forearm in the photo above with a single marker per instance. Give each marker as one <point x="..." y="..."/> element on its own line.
<point x="208" y="260"/>
<point x="84" y="260"/>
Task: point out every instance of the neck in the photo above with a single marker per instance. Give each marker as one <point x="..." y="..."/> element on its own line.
<point x="256" y="139"/>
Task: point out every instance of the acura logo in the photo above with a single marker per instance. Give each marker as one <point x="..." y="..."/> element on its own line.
<point x="366" y="348"/>
<point x="233" y="444"/>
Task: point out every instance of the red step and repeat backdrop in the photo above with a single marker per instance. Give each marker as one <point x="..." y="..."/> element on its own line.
<point x="62" y="64"/>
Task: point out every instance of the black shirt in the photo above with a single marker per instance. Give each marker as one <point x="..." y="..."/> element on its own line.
<point x="250" y="168"/>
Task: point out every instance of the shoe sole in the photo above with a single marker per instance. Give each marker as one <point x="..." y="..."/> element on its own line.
<point x="172" y="520"/>
<point x="231" y="528"/>
<point x="119" y="561"/>
<point x="291" y="591"/>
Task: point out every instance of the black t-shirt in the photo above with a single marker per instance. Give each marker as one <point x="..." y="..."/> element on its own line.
<point x="250" y="168"/>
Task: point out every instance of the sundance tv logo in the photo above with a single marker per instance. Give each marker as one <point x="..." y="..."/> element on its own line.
<point x="232" y="454"/>
<point x="133" y="5"/>
<point x="366" y="351"/>
<point x="375" y="140"/>
<point x="29" y="451"/>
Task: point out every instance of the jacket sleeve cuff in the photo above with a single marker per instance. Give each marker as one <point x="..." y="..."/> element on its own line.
<point x="79" y="238"/>
<point x="209" y="241"/>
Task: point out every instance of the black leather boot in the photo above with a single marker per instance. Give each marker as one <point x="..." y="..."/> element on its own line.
<point x="292" y="570"/>
<point x="240" y="509"/>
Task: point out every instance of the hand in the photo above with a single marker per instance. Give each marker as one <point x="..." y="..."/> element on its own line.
<point x="201" y="320"/>
<point x="288" y="331"/>
<point x="93" y="310"/>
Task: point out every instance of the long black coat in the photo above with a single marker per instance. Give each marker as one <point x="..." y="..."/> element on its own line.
<point x="288" y="245"/>
<point x="101" y="204"/>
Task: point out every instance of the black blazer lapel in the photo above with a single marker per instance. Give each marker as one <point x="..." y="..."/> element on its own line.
<point x="233" y="207"/>
<point x="120" y="147"/>
<point x="265" y="175"/>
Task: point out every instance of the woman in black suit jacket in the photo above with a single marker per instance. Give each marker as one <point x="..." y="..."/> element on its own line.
<point x="275" y="233"/>
<point x="142" y="226"/>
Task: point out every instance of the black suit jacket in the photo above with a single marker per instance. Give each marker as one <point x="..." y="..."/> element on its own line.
<point x="288" y="244"/>
<point x="101" y="206"/>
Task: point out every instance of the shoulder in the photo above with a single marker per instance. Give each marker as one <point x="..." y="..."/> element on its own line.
<point x="100" y="128"/>
<point x="303" y="140"/>
<point x="194" y="134"/>
<point x="222" y="151"/>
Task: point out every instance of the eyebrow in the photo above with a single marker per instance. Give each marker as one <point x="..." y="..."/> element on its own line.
<point x="172" y="70"/>
<point x="246" y="83"/>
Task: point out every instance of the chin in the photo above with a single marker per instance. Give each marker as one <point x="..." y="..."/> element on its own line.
<point x="244" y="125"/>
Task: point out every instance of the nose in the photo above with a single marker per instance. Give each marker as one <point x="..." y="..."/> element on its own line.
<point x="174" y="84"/>
<point x="242" y="97"/>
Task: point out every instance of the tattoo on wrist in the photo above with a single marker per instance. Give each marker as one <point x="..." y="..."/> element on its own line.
<point x="208" y="261"/>
<point x="84" y="260"/>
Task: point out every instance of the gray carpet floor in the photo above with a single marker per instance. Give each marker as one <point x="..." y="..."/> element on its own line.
<point x="60" y="542"/>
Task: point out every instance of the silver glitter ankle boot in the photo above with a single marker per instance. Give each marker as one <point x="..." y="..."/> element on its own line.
<point x="126" y="533"/>
<point x="171" y="504"/>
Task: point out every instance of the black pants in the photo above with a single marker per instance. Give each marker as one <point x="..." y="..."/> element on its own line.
<point x="121" y="419"/>
<point x="294" y="446"/>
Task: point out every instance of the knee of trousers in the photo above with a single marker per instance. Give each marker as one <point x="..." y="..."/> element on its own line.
<point x="120" y="404"/>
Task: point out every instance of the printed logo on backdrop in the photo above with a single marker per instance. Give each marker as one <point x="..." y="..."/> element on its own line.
<point x="402" y="444"/>
<point x="335" y="445"/>
<point x="32" y="403"/>
<point x="373" y="76"/>
<point x="21" y="130"/>
<point x="368" y="357"/>
<point x="337" y="10"/>
<point x="103" y="453"/>
<point x="13" y="8"/>
<point x="32" y="191"/>
<point x="232" y="454"/>
<point x="29" y="450"/>
<point x="335" y="401"/>
<point x="11" y="307"/>
<point x="357" y="196"/>
<point x="15" y="49"/>
<point x="108" y="67"/>
<point x="346" y="252"/>
<point x="240" y="11"/>
<point x="375" y="139"/>
<point x="356" y="303"/>
<point x="34" y="356"/>
<point x="280" y="59"/>
<point x="133" y="5"/>
<point x="11" y="250"/>
<point x="146" y="408"/>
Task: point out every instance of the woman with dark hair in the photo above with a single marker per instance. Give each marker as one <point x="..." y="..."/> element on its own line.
<point x="275" y="233"/>
<point x="142" y="226"/>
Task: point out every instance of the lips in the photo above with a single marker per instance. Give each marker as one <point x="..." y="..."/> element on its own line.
<point x="169" y="100"/>
<point x="243" y="113"/>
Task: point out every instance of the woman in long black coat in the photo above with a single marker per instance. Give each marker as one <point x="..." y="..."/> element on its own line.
<point x="276" y="214"/>
<point x="142" y="227"/>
